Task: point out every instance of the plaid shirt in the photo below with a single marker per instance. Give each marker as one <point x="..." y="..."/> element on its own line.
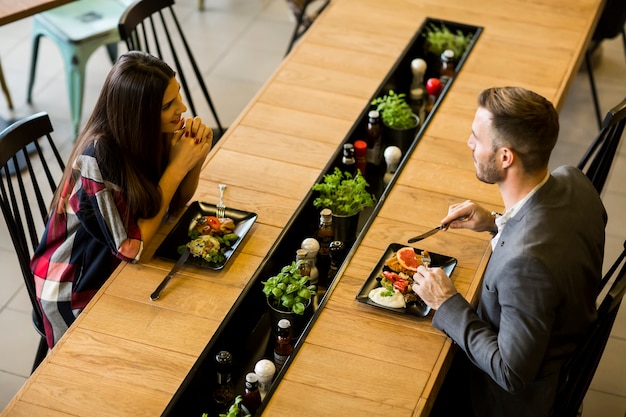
<point x="85" y="239"/>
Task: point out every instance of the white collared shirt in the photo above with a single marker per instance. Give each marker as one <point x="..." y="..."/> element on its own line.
<point x="501" y="221"/>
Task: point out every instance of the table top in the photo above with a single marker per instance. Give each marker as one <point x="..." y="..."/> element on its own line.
<point x="12" y="10"/>
<point x="126" y="355"/>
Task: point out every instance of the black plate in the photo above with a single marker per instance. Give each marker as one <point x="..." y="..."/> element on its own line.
<point x="418" y="308"/>
<point x="180" y="233"/>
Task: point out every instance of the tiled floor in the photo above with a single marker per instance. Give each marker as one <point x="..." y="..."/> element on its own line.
<point x="243" y="42"/>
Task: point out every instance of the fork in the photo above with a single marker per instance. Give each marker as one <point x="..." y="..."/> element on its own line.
<point x="221" y="208"/>
<point x="425" y="259"/>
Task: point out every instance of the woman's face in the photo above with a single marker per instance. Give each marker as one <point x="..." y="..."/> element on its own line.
<point x="172" y="108"/>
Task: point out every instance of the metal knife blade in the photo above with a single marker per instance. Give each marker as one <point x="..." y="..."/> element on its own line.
<point x="427" y="234"/>
<point x="180" y="262"/>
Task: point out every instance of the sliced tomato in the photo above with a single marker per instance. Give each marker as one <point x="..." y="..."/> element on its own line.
<point x="392" y="276"/>
<point x="213" y="222"/>
<point x="401" y="285"/>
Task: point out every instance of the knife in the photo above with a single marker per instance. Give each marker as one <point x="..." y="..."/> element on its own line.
<point x="183" y="258"/>
<point x="429" y="233"/>
<point x="435" y="230"/>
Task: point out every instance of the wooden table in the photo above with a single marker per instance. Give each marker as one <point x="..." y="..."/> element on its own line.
<point x="127" y="356"/>
<point x="12" y="10"/>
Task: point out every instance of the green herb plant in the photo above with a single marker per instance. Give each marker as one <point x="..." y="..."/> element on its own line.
<point x="438" y="38"/>
<point x="289" y="290"/>
<point x="343" y="193"/>
<point x="394" y="111"/>
<point x="234" y="410"/>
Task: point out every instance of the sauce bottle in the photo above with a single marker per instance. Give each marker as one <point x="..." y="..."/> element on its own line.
<point x="251" y="397"/>
<point x="448" y="65"/>
<point x="360" y="155"/>
<point x="283" y="345"/>
<point x="347" y="161"/>
<point x="374" y="139"/>
<point x="324" y="235"/>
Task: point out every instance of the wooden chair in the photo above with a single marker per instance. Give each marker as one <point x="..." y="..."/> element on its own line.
<point x="30" y="168"/>
<point x="152" y="26"/>
<point x="597" y="160"/>
<point x="304" y="20"/>
<point x="580" y="368"/>
<point x="610" y="24"/>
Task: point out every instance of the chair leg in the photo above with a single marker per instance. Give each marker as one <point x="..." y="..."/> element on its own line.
<point x="42" y="351"/>
<point x="5" y="89"/>
<point x="33" y="66"/>
<point x="299" y="26"/>
<point x="112" y="51"/>
<point x="594" y="93"/>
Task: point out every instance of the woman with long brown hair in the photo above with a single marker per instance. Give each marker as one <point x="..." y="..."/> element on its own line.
<point x="136" y="160"/>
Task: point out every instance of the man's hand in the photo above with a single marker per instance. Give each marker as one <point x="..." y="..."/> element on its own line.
<point x="433" y="286"/>
<point x="469" y="215"/>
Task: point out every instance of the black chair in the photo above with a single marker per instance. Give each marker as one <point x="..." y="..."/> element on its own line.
<point x="303" y="19"/>
<point x="152" y="26"/>
<point x="30" y="168"/>
<point x="580" y="368"/>
<point x="610" y="24"/>
<point x="604" y="147"/>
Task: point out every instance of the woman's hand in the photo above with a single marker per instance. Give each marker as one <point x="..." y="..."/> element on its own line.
<point x="190" y="145"/>
<point x="469" y="215"/>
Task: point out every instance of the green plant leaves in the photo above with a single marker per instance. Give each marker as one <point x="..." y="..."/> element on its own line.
<point x="394" y="110"/>
<point x="342" y="193"/>
<point x="289" y="289"/>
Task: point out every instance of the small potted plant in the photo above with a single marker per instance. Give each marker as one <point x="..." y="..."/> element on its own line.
<point x="289" y="295"/>
<point x="399" y="122"/>
<point x="438" y="38"/>
<point x="234" y="410"/>
<point x="394" y="111"/>
<point x="346" y="196"/>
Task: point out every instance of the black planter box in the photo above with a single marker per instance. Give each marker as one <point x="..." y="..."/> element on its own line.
<point x="246" y="331"/>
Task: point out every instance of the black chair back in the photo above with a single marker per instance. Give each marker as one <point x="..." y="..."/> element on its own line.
<point x="610" y="24"/>
<point x="152" y="26"/>
<point x="580" y="368"/>
<point x="303" y="20"/>
<point x="597" y="160"/>
<point x="30" y="169"/>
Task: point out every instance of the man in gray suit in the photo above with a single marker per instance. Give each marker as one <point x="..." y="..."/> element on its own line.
<point x="538" y="291"/>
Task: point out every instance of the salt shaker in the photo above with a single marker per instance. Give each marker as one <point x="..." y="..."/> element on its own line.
<point x="265" y="370"/>
<point x="312" y="246"/>
<point x="392" y="154"/>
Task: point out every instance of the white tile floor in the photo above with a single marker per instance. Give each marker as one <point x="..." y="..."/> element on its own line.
<point x="242" y="42"/>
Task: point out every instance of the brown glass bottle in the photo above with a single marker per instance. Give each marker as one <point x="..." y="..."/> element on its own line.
<point x="251" y="397"/>
<point x="448" y="66"/>
<point x="283" y="345"/>
<point x="348" y="164"/>
<point x="374" y="139"/>
<point x="324" y="235"/>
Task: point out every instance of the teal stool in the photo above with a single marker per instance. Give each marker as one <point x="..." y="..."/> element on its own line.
<point x="78" y="28"/>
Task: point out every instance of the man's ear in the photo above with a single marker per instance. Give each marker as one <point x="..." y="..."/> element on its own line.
<point x="507" y="157"/>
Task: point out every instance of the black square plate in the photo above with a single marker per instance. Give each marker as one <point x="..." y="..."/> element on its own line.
<point x="180" y="233"/>
<point x="418" y="308"/>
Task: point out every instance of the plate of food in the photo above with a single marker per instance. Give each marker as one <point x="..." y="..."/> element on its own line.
<point x="211" y="241"/>
<point x="389" y="285"/>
